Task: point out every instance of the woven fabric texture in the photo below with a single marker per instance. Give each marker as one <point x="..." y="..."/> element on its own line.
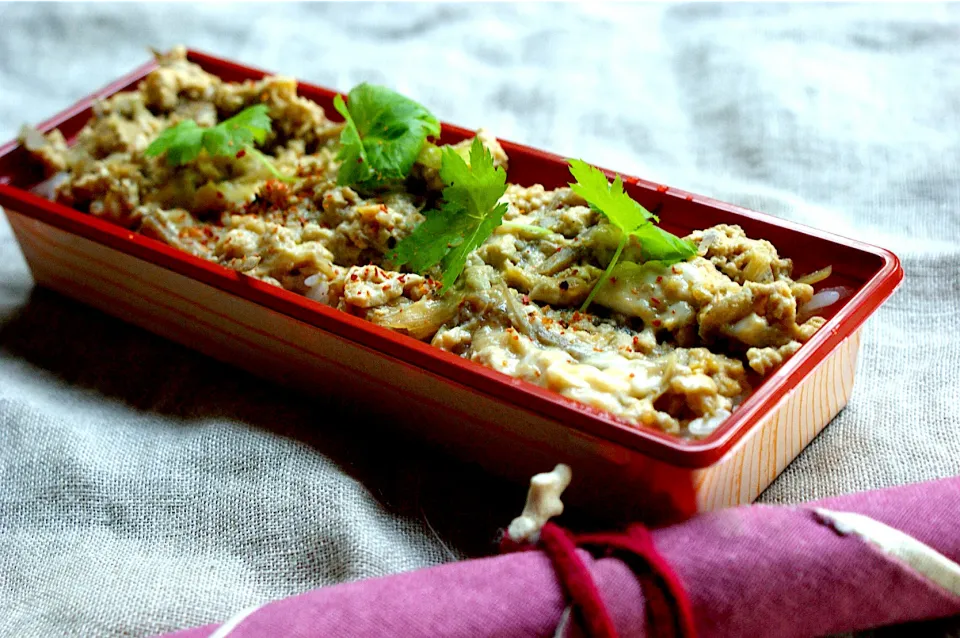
<point x="145" y="488"/>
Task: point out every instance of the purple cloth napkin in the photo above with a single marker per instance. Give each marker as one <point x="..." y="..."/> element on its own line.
<point x="749" y="571"/>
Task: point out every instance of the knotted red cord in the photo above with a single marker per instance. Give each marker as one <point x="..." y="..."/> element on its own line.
<point x="577" y="581"/>
<point x="671" y="613"/>
<point x="669" y="608"/>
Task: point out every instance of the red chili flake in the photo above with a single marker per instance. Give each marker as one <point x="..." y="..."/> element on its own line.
<point x="558" y="249"/>
<point x="525" y="298"/>
<point x="383" y="208"/>
<point x="241" y="153"/>
<point x="385" y="287"/>
<point x="656" y="323"/>
<point x="219" y="195"/>
<point x="353" y="277"/>
<point x="654" y="301"/>
<point x="632" y="375"/>
<point x="613" y="280"/>
<point x="359" y="160"/>
<point x="659" y="279"/>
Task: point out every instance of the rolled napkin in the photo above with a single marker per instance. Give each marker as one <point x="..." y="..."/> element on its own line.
<point x="842" y="564"/>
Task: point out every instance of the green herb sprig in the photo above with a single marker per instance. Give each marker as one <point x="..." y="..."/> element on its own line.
<point x="630" y="217"/>
<point x="383" y="135"/>
<point x="183" y="142"/>
<point x="468" y="216"/>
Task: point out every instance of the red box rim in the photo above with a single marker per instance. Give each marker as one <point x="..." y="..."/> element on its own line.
<point x="447" y="366"/>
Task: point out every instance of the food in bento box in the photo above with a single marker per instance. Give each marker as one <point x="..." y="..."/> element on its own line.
<point x="576" y="289"/>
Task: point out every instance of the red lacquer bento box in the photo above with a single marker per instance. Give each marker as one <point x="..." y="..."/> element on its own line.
<point x="510" y="427"/>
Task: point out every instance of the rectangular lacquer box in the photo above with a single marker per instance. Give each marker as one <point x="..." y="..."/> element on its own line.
<point x="508" y="426"/>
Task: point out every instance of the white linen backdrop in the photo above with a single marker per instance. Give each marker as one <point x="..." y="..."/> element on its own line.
<point x="147" y="488"/>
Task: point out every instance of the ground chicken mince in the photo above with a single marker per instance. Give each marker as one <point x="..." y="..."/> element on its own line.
<point x="674" y="348"/>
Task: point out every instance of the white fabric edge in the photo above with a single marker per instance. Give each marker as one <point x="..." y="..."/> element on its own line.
<point x="227" y="628"/>
<point x="922" y="558"/>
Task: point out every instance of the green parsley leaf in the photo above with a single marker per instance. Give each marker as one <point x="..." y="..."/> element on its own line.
<point x="182" y="143"/>
<point x="243" y="129"/>
<point x="658" y="245"/>
<point x="383" y="135"/>
<point x="468" y="216"/>
<point x="630" y="217"/>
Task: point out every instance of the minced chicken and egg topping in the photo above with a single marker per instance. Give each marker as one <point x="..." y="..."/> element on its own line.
<point x="574" y="289"/>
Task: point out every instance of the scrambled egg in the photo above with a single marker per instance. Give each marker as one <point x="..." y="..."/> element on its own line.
<point x="671" y="348"/>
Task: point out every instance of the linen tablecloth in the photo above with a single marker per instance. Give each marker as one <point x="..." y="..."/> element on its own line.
<point x="144" y="488"/>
